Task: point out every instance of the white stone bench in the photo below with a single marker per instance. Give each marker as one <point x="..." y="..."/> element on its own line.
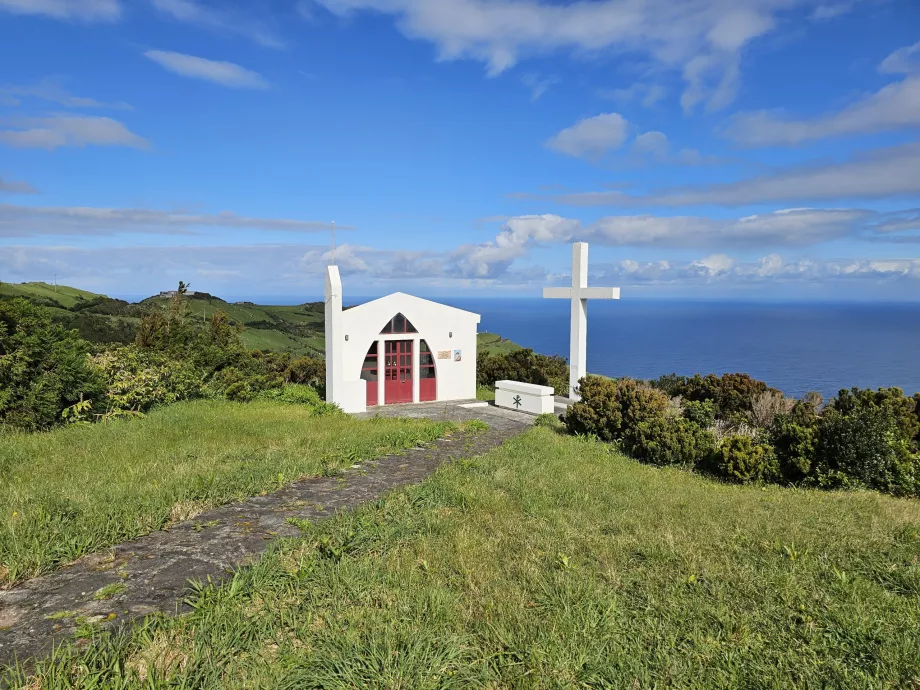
<point x="524" y="397"/>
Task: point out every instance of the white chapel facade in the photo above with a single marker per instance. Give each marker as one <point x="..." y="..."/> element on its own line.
<point x="397" y="349"/>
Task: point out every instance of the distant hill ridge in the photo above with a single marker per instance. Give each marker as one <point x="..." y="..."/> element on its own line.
<point x="299" y="329"/>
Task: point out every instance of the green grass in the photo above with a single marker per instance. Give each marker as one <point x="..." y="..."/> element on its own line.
<point x="553" y="562"/>
<point x="75" y="490"/>
<point x="486" y="393"/>
<point x="493" y="344"/>
<point x="64" y="295"/>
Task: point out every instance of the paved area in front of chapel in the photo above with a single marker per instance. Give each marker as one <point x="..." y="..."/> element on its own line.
<point x="154" y="570"/>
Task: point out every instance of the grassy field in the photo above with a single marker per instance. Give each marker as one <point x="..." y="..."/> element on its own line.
<point x="554" y="562"/>
<point x="72" y="491"/>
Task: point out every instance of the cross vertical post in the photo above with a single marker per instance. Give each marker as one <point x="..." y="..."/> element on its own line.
<point x="579" y="294"/>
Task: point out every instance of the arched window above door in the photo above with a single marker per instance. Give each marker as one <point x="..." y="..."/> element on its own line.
<point x="398" y="324"/>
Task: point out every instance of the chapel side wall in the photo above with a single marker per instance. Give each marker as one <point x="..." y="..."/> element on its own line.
<point x="455" y="380"/>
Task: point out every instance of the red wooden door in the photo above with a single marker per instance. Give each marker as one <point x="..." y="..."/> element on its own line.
<point x="397" y="386"/>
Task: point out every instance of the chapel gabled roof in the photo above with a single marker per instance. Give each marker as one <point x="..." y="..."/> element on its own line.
<point x="392" y="301"/>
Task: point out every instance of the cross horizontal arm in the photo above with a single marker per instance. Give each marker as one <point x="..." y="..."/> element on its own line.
<point x="599" y="293"/>
<point x="557" y="293"/>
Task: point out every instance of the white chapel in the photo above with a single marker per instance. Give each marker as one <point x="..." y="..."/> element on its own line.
<point x="397" y="349"/>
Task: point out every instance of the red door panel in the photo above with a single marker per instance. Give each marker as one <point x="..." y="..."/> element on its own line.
<point x="398" y="372"/>
<point x="371" y="393"/>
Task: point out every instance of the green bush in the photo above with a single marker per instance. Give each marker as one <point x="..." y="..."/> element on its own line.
<point x="892" y="401"/>
<point x="525" y="366"/>
<point x="325" y="409"/>
<point x="669" y="441"/>
<point x="609" y="408"/>
<point x="140" y="379"/>
<point x="306" y="370"/>
<point x="294" y="394"/>
<point x="794" y="439"/>
<point x="743" y="459"/>
<point x="44" y="368"/>
<point x="700" y="412"/>
<point x="239" y="391"/>
<point x="865" y="448"/>
<point x="731" y="394"/>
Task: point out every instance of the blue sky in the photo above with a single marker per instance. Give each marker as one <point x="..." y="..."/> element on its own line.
<point x="705" y="148"/>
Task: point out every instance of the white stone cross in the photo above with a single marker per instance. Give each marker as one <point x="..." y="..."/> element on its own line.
<point x="579" y="293"/>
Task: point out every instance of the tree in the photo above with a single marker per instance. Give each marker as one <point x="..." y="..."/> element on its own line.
<point x="44" y="368"/>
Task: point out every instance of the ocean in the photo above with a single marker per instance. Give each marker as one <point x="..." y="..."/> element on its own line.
<point x="794" y="347"/>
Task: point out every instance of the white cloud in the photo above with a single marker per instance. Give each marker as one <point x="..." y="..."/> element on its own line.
<point x="715" y="264"/>
<point x="649" y="95"/>
<point x="16" y="187"/>
<point x="68" y="130"/>
<point x="500" y="32"/>
<point x="831" y="10"/>
<point x="654" y="144"/>
<point x="895" y="106"/>
<point x="902" y="61"/>
<point x="33" y="221"/>
<point x="591" y="137"/>
<point x="223" y="20"/>
<point x="791" y="227"/>
<point x="86" y="10"/>
<point x="883" y="173"/>
<point x="50" y="90"/>
<point x="291" y="269"/>
<point x="223" y="73"/>
<point x="770" y="269"/>
<point x="538" y="85"/>
<point x="713" y="77"/>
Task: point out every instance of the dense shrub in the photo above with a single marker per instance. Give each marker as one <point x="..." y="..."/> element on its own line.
<point x="732" y="394"/>
<point x="43" y="367"/>
<point x="525" y="366"/>
<point x="743" y="459"/>
<point x="669" y="441"/>
<point x="740" y="429"/>
<point x="294" y="394"/>
<point x="794" y="439"/>
<point x="238" y="391"/>
<point x="139" y="379"/>
<point x="700" y="412"/>
<point x="308" y="371"/>
<point x="865" y="448"/>
<point x="891" y="401"/>
<point x="108" y="306"/>
<point x="609" y="408"/>
<point x="98" y="329"/>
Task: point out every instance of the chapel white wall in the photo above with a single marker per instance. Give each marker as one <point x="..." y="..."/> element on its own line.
<point x="435" y="322"/>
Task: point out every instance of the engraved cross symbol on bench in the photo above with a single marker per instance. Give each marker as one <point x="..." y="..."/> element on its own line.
<point x="517" y="401"/>
<point x="579" y="293"/>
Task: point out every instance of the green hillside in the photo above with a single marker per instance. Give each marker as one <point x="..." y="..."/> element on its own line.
<point x="65" y="296"/>
<point x="298" y="329"/>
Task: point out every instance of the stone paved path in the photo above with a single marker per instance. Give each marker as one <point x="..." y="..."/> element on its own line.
<point x="151" y="573"/>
